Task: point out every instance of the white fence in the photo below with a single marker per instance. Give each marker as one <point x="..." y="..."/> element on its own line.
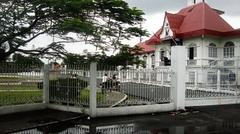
<point x="81" y="88"/>
<point x="123" y="92"/>
<point x="19" y="84"/>
<point x="212" y="84"/>
<point x="73" y="86"/>
<point x="212" y="81"/>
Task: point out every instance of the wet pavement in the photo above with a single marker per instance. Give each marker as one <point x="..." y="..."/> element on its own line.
<point x="28" y="120"/>
<point x="223" y="119"/>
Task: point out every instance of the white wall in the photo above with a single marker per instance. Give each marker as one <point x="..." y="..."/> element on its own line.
<point x="149" y="59"/>
<point x="166" y="26"/>
<point x="220" y="42"/>
<point x="163" y="46"/>
<point x="202" y="45"/>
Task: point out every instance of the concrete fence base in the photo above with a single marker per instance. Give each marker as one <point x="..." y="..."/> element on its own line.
<point x="117" y="111"/>
<point x="68" y="108"/>
<point x="133" y="110"/>
<point x="211" y="101"/>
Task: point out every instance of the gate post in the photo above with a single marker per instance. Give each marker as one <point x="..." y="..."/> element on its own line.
<point x="46" y="83"/>
<point x="93" y="88"/>
<point x="218" y="80"/>
<point x="178" y="79"/>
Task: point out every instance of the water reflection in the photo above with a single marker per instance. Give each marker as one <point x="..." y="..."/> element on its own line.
<point x="114" y="129"/>
<point x="88" y="127"/>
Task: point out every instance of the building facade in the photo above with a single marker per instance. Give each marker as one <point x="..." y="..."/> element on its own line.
<point x="208" y="38"/>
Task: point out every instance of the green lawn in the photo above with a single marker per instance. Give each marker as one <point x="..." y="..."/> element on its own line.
<point x="19" y="87"/>
<point x="84" y="95"/>
<point x="79" y="96"/>
<point x="11" y="79"/>
<point x="20" y="94"/>
<point x="20" y="97"/>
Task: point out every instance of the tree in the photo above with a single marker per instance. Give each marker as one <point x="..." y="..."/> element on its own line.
<point x="103" y="23"/>
<point x="26" y="60"/>
<point x="126" y="56"/>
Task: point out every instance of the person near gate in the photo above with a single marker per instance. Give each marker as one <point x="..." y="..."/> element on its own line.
<point x="104" y="83"/>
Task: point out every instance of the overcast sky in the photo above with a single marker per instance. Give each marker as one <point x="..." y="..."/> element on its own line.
<point x="156" y="6"/>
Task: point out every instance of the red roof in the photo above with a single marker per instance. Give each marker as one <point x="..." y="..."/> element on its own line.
<point x="233" y="33"/>
<point x="154" y="39"/>
<point x="200" y="19"/>
<point x="194" y="21"/>
<point x="145" y="48"/>
<point x="175" y="21"/>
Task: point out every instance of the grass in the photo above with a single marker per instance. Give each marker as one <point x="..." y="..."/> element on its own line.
<point x="19" y="94"/>
<point x="24" y="94"/>
<point x="20" y="97"/>
<point x="19" y="87"/>
<point x="84" y="95"/>
<point x="11" y="79"/>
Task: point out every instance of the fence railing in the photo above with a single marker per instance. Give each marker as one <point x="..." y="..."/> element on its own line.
<point x="130" y="87"/>
<point x="212" y="82"/>
<point x="20" y="84"/>
<point x="215" y="62"/>
<point x="158" y="76"/>
<point x="70" y="86"/>
<point x="100" y="87"/>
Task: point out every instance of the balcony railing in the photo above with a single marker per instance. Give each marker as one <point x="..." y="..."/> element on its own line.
<point x="192" y="62"/>
<point x="228" y="63"/>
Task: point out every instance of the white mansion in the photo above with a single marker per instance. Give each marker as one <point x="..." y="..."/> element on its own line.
<point x="210" y="40"/>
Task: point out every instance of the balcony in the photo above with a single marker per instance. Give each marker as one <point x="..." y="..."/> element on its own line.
<point x="228" y="63"/>
<point x="192" y="62"/>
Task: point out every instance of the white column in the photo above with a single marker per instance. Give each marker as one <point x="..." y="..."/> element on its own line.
<point x="218" y="80"/>
<point x="178" y="79"/>
<point x="127" y="75"/>
<point x="46" y="69"/>
<point x="196" y="79"/>
<point x="162" y="77"/>
<point x="93" y="88"/>
<point x="149" y="75"/>
<point x="139" y="79"/>
<point x="190" y="2"/>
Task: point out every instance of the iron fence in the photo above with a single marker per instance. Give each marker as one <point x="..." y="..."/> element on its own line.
<point x="211" y="81"/>
<point x="129" y="87"/>
<point x="69" y="85"/>
<point x="20" y="84"/>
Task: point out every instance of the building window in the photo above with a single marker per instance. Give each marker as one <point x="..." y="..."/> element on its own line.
<point x="228" y="50"/>
<point x="212" y="50"/>
<point x="212" y="77"/>
<point x="153" y="60"/>
<point x="191" y="77"/>
<point x="145" y="61"/>
<point x="192" y="52"/>
<point x="167" y="29"/>
<point x="162" y="55"/>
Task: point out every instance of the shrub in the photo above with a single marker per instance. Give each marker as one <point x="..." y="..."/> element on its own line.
<point x="66" y="89"/>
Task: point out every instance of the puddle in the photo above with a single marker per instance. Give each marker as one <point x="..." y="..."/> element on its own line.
<point x="227" y="127"/>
